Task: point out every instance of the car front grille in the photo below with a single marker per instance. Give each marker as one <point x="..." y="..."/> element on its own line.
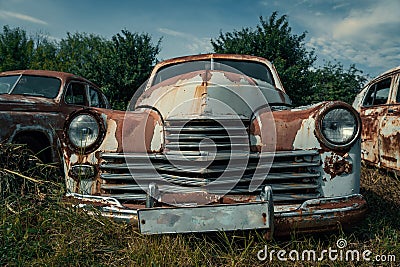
<point x="212" y="156"/>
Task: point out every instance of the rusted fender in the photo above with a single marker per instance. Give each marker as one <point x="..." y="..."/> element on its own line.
<point x="296" y="128"/>
<point x="131" y="131"/>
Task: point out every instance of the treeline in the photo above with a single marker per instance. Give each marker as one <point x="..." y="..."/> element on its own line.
<point x="121" y="64"/>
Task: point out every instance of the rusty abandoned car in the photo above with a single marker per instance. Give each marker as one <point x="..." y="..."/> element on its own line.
<point x="211" y="142"/>
<point x="379" y="106"/>
<point x="35" y="103"/>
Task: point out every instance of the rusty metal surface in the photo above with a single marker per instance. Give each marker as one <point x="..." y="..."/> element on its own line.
<point x="381" y="128"/>
<point x="161" y="142"/>
<point x="256" y="215"/>
<point x="337" y="165"/>
<point x="221" y="95"/>
<point x="136" y="127"/>
<point x="37" y="117"/>
<point x="173" y="61"/>
<point x="63" y="76"/>
<point x="288" y="124"/>
<point x="312" y="216"/>
<point x="321" y="215"/>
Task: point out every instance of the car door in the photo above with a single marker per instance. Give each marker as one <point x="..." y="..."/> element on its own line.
<point x="389" y="134"/>
<point x="374" y="108"/>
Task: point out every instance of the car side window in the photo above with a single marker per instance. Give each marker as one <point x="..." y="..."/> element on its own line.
<point x="75" y="94"/>
<point x="378" y="93"/>
<point x="95" y="98"/>
<point x="398" y="93"/>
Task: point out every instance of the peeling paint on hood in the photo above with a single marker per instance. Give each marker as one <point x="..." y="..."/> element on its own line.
<point x="209" y="92"/>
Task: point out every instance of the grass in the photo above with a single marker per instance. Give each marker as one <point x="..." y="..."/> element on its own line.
<point x="36" y="229"/>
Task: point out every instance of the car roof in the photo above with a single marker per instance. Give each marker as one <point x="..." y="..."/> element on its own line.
<point x="395" y="69"/>
<point x="209" y="56"/>
<point x="382" y="75"/>
<point x="264" y="61"/>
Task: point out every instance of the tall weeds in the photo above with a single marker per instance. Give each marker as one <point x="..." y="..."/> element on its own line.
<point x="37" y="229"/>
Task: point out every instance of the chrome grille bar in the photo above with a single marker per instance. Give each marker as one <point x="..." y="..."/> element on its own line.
<point x="187" y="167"/>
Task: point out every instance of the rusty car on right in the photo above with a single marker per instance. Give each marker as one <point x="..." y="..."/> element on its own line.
<point x="379" y="106"/>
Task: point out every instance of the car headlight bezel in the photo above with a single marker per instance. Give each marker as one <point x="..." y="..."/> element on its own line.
<point x="338" y="117"/>
<point x="84" y="131"/>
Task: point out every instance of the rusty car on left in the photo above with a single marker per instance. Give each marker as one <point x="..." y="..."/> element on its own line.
<point x="35" y="103"/>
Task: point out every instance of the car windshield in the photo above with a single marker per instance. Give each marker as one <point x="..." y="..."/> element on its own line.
<point x="252" y="69"/>
<point x="30" y="85"/>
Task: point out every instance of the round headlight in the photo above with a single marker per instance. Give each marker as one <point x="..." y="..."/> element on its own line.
<point x="83" y="131"/>
<point x="339" y="126"/>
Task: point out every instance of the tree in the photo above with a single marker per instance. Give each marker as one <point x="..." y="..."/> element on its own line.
<point x="83" y="54"/>
<point x="18" y="51"/>
<point x="44" y="55"/>
<point x="119" y="65"/>
<point x="333" y="82"/>
<point x="273" y="40"/>
<point x="15" y="49"/>
<point x="132" y="58"/>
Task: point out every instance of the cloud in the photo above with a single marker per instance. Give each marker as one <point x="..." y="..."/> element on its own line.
<point x="172" y="32"/>
<point x="340" y="6"/>
<point x="367" y="34"/>
<point x="363" y="21"/>
<point x="384" y="57"/>
<point x="191" y="42"/>
<point x="7" y="14"/>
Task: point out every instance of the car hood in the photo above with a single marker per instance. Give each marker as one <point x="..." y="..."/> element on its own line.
<point x="26" y="103"/>
<point x="210" y="93"/>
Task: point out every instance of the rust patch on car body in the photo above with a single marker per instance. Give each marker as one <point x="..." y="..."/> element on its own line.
<point x="316" y="222"/>
<point x="336" y="165"/>
<point x="290" y="121"/>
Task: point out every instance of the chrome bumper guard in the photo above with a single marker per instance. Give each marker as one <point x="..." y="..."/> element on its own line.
<point x="315" y="213"/>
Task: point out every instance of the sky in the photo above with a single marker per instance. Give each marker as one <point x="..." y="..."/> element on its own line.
<point x="361" y="32"/>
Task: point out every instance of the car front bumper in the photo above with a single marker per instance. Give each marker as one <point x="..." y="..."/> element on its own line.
<point x="321" y="215"/>
<point x="315" y="215"/>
